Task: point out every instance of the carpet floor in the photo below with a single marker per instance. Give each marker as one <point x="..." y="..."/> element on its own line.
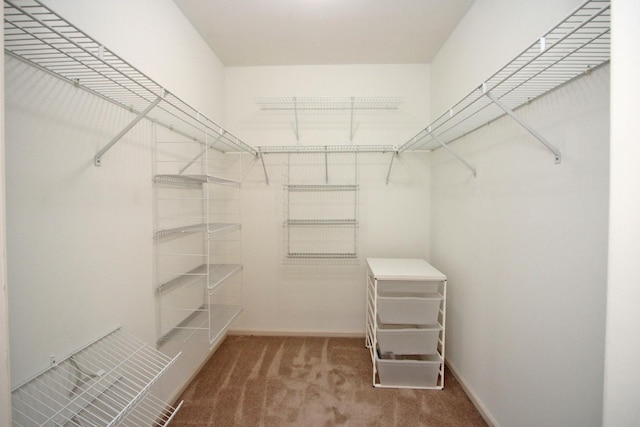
<point x="310" y="381"/>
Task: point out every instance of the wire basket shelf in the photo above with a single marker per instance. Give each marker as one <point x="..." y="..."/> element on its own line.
<point x="574" y="47"/>
<point x="36" y="34"/>
<point x="106" y="383"/>
<point x="329" y="103"/>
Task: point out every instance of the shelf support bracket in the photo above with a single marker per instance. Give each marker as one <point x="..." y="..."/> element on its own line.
<point x="393" y="155"/>
<point x="526" y="126"/>
<point x="97" y="160"/>
<point x="295" y="115"/>
<point x="204" y="150"/>
<point x="264" y="167"/>
<point x="453" y="153"/>
<point x="351" y="127"/>
<point x="326" y="165"/>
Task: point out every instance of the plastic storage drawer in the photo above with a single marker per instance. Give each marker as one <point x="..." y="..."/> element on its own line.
<point x="417" y="371"/>
<point x="408" y="339"/>
<point x="409" y="287"/>
<point x="395" y="309"/>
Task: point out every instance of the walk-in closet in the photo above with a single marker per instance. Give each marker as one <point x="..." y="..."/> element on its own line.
<point x="319" y="212"/>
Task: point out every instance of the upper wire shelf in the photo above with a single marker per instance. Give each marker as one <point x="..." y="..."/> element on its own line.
<point x="574" y="47"/>
<point x="106" y="383"/>
<point x="329" y="103"/>
<point x="294" y="149"/>
<point x="36" y="34"/>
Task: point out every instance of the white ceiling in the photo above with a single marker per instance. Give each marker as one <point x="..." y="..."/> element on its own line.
<point x="315" y="32"/>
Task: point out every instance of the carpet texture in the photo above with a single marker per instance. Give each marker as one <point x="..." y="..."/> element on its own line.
<point x="310" y="381"/>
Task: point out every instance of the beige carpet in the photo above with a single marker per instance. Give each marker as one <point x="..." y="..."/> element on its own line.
<point x="310" y="381"/>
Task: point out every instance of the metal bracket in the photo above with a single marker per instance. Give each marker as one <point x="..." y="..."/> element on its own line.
<point x="453" y="153"/>
<point x="204" y="150"/>
<point x="393" y="155"/>
<point x="295" y="113"/>
<point x="351" y="127"/>
<point x="264" y="168"/>
<point x="326" y="166"/>
<point x="525" y="125"/>
<point x="97" y="160"/>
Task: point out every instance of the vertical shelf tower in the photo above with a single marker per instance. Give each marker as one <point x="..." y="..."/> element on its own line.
<point x="198" y="243"/>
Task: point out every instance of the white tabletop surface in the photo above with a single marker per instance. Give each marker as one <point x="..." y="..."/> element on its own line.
<point x="403" y="269"/>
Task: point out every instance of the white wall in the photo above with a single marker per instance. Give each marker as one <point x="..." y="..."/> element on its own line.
<point x="393" y="218"/>
<point x="79" y="248"/>
<point x="80" y="238"/>
<point x="622" y="384"/>
<point x="524" y="243"/>
<point x="5" y="380"/>
<point x="524" y="246"/>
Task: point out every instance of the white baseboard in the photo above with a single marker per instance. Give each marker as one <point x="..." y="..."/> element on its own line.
<point x="484" y="412"/>
<point x="267" y="333"/>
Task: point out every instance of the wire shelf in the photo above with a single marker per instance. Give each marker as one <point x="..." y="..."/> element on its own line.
<point x="573" y="48"/>
<point x="217" y="273"/>
<point x="293" y="149"/>
<point x="194" y="180"/>
<point x="208" y="323"/>
<point x="322" y="255"/>
<point x="328" y="103"/>
<point x="320" y="187"/>
<point x="37" y="35"/>
<point x="211" y="228"/>
<point x="106" y="383"/>
<point x="320" y="223"/>
<point x="342" y="222"/>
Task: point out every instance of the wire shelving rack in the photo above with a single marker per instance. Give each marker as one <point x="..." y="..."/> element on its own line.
<point x="105" y="383"/>
<point x="574" y="47"/>
<point x="350" y="104"/>
<point x="36" y="34"/>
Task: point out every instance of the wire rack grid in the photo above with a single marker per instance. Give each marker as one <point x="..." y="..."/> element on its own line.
<point x="106" y="383"/>
<point x="573" y="48"/>
<point x="328" y="103"/>
<point x="36" y="34"/>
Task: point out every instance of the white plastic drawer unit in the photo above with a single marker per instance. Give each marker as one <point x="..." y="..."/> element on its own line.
<point x="405" y="331"/>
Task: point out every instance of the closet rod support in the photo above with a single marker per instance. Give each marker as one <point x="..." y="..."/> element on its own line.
<point x="204" y="150"/>
<point x="326" y="165"/>
<point x="351" y="127"/>
<point x="295" y="114"/>
<point x="526" y="126"/>
<point x="453" y="153"/>
<point x="97" y="160"/>
<point x="393" y="155"/>
<point x="264" y="168"/>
